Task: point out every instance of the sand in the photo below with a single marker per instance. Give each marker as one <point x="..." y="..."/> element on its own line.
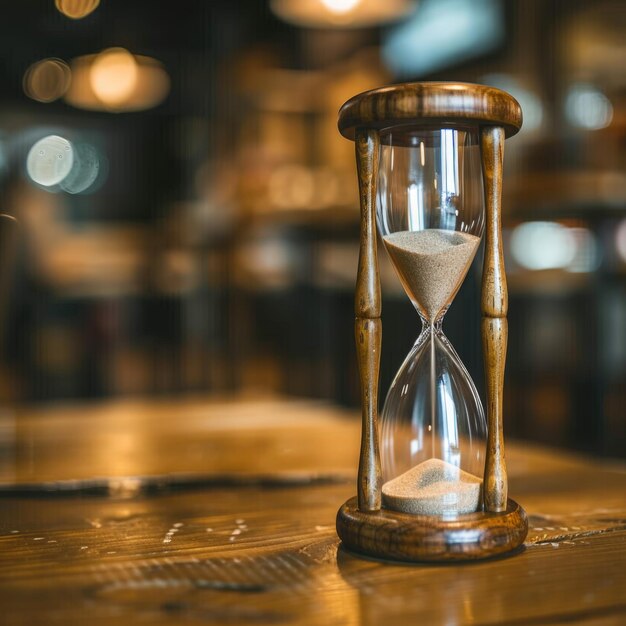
<point x="432" y="265"/>
<point x="433" y="487"/>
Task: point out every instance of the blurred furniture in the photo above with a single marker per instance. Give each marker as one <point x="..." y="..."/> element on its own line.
<point x="223" y="512"/>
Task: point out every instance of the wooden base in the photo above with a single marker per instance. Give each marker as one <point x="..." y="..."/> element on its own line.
<point x="388" y="534"/>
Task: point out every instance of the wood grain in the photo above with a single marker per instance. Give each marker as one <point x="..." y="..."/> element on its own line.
<point x="494" y="327"/>
<point x="430" y="103"/>
<point x="405" y="537"/>
<point x="368" y="302"/>
<point x="103" y="560"/>
<point x="368" y="326"/>
<point x="368" y="335"/>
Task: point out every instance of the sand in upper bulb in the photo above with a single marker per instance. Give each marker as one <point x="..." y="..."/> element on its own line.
<point x="433" y="487"/>
<point x="432" y="264"/>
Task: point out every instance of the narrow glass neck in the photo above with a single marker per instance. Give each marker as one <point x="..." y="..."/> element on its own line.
<point x="433" y="326"/>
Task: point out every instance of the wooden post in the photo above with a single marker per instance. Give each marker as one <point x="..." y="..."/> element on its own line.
<point x="494" y="326"/>
<point x="368" y="327"/>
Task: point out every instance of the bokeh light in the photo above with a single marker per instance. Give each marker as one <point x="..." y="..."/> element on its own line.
<point x="85" y="169"/>
<point x="76" y="9"/>
<point x="543" y="245"/>
<point x="527" y="98"/>
<point x="113" y="76"/>
<point x="50" y="160"/>
<point x="4" y="160"/>
<point x="47" y="80"/>
<point x="291" y="187"/>
<point x="441" y="33"/>
<point x="587" y="257"/>
<point x="341" y="13"/>
<point x="150" y="84"/>
<point x="620" y="240"/>
<point x="340" y="6"/>
<point x="55" y="162"/>
<point x="587" y="107"/>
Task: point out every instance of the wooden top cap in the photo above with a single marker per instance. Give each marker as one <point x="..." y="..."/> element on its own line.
<point x="430" y="104"/>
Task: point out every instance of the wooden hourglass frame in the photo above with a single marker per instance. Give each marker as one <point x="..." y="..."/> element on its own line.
<point x="362" y="523"/>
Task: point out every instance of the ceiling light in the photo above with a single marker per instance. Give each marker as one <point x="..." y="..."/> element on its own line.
<point x="76" y="9"/>
<point x="113" y="75"/>
<point x="143" y="82"/>
<point x="341" y="13"/>
<point x="340" y="6"/>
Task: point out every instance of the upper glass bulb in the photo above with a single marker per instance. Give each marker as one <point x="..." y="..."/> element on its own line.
<point x="430" y="211"/>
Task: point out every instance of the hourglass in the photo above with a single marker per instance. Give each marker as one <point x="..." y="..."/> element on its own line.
<point x="432" y="481"/>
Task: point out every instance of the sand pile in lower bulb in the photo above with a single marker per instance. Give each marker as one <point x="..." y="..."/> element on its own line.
<point x="432" y="263"/>
<point x="433" y="487"/>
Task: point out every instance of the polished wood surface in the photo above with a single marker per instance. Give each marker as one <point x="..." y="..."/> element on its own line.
<point x="494" y="325"/>
<point x="266" y="552"/>
<point x="368" y="327"/>
<point x="403" y="537"/>
<point x="430" y="103"/>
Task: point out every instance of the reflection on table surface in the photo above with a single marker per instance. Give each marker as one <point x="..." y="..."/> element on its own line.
<point x="238" y="526"/>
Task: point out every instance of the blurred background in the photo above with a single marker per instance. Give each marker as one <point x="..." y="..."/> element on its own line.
<point x="185" y="210"/>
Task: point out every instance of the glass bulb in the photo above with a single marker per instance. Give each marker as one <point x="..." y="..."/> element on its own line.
<point x="431" y="217"/>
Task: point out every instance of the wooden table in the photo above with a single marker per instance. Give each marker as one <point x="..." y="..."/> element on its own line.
<point x="223" y="513"/>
